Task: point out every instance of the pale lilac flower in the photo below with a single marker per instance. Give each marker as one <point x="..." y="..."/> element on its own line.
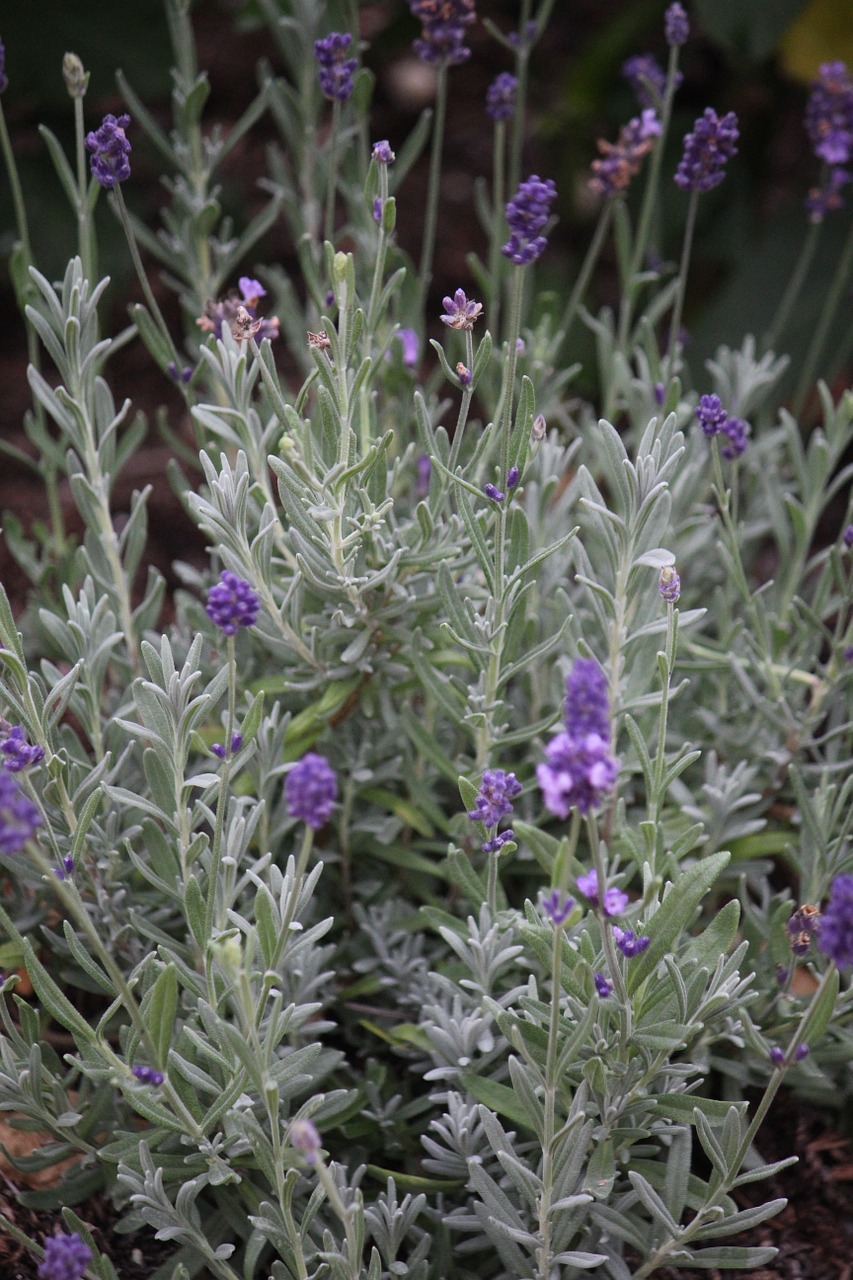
<point x="382" y="152"/>
<point x="675" y="25"/>
<point x="500" y="96"/>
<point x="615" y="900"/>
<point x="459" y="312"/>
<point x="305" y="1138"/>
<point x="556" y="908"/>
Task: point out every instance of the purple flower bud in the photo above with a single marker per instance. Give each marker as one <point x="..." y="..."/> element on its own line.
<point x="147" y="1075"/>
<point x="183" y="375"/>
<point x="669" y="584"/>
<point x="305" y="1138"/>
<point x="66" y="1257"/>
<point x="500" y="96"/>
<point x="539" y="428"/>
<point x="711" y="414"/>
<point x="527" y="215"/>
<point x="443" y="30"/>
<point x="378" y="206"/>
<point x="706" y="150"/>
<point x="556" y="908"/>
<point x="110" y="149"/>
<point x="232" y="603"/>
<point x="382" y="152"/>
<point x="218" y="749"/>
<point x="615" y="900"/>
<point x="512" y="477"/>
<point x="493" y="493"/>
<point x="424" y="472"/>
<point x="464" y="374"/>
<point x="777" y="1056"/>
<point x="602" y="986"/>
<point x="801" y="1051"/>
<point x="65" y="868"/>
<point x="628" y="943"/>
<point x="846" y="538"/>
<point x="336" y="71"/>
<point x="835" y="936"/>
<point x="310" y="790"/>
<point x="19" y="817"/>
<point x="498" y="841"/>
<point x="675" y="25"/>
<point x="494" y="799"/>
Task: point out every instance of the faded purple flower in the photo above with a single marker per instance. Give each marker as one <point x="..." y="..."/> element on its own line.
<point x="706" y="150"/>
<point x="587" y="705"/>
<point x="556" y="908"/>
<point x="443" y="24"/>
<point x="538" y="428"/>
<point x="846" y="538"/>
<point x="675" y="25"/>
<point x="424" y="472"/>
<point x="17" y="753"/>
<point x="66" y="1257"/>
<point x="646" y="77"/>
<point x="464" y="374"/>
<point x="620" y="161"/>
<point x="336" y="70"/>
<point x="382" y="152"/>
<point x="110" y="150"/>
<point x="494" y="799"/>
<point x="305" y="1138"/>
<point x="827" y="197"/>
<point x="310" y="790"/>
<point x="459" y="312"/>
<point x="576" y="773"/>
<point x="19" y="817"/>
<point x="615" y="900"/>
<point x="4" y="79"/>
<point x="500" y="96"/>
<point x="602" y="986"/>
<point x="493" y="493"/>
<point x="669" y="584"/>
<point x="65" y="868"/>
<point x="527" y="216"/>
<point x="711" y="414"/>
<point x="628" y="943"/>
<point x="738" y="432"/>
<point x="802" y="926"/>
<point x="148" y="1075"/>
<point x="238" y="313"/>
<point x="829" y="114"/>
<point x="232" y="603"/>
<point x="835" y="936"/>
<point x="410" y="343"/>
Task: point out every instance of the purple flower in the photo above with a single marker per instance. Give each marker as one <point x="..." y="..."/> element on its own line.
<point x="620" y="161"/>
<point x="219" y="749"/>
<point x="464" y="374"/>
<point x="646" y="78"/>
<point x="232" y="603"/>
<point x="829" y="114"/>
<point x="251" y="291"/>
<point x="4" y="79"/>
<point x="65" y="868"/>
<point x="711" y="414"/>
<point x="827" y="197"/>
<point x="410" y="343"/>
<point x="424" y="472"/>
<point x="459" y="313"/>
<point x="557" y="908"/>
<point x="538" y="428"/>
<point x="66" y="1257"/>
<point x="382" y="152"/>
<point x="587" y="706"/>
<point x="675" y="25"/>
<point x="19" y="817"/>
<point x="602" y="986"/>
<point x="147" y="1075"/>
<point x="378" y="207"/>
<point x="17" y="753"/>
<point x="336" y="70"/>
<point x="527" y="215"/>
<point x="183" y="375"/>
<point x="494" y="799"/>
<point x="802" y="926"/>
<point x="239" y="314"/>
<point x="737" y="431"/>
<point x="669" y="584"/>
<point x="110" y="149"/>
<point x="498" y="841"/>
<point x="576" y="773"/>
<point x="801" y="1051"/>
<point x="500" y="96"/>
<point x="777" y="1056"/>
<point x="706" y="151"/>
<point x="310" y="790"/>
<point x="835" y="936"/>
<point x="512" y="477"/>
<point x="628" y="943"/>
<point x="493" y="493"/>
<point x="305" y="1138"/>
<point x="846" y="538"/>
<point x="615" y="900"/>
<point x="443" y="24"/>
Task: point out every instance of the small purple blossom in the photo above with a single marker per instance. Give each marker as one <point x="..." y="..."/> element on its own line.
<point x="336" y="70"/>
<point x="620" y="161"/>
<point x="423" y="474"/>
<point x="576" y="773"/>
<point x="498" y="841"/>
<point x="148" y="1075"/>
<point x="669" y="584"/>
<point x="219" y="748"/>
<point x="847" y="536"/>
<point x="527" y="215"/>
<point x="646" y="77"/>
<point x="628" y="943"/>
<point x="801" y="1051"/>
<point x="378" y="208"/>
<point x="829" y="114"/>
<point x="311" y="789"/>
<point x="493" y="493"/>
<point x="556" y="908"/>
<point x="737" y="432"/>
<point x="19" y="817"/>
<point x="65" y="868"/>
<point x="512" y="477"/>
<point x="251" y="291"/>
<point x="183" y="375"/>
<point x="110" y="150"/>
<point x="827" y="197"/>
<point x="305" y="1138"/>
<point x="711" y="414"/>
<point x="382" y="152"/>
<point x="706" y="150"/>
<point x="410" y="343"/>
<point x="587" y="706"/>
<point x="602" y="986"/>
<point x="17" y="753"/>
<point x="802" y="926"/>
<point x="494" y="799"/>
<point x="835" y="936"/>
<point x="66" y="1257"/>
<point x="459" y="312"/>
<point x="464" y="374"/>
<point x="676" y="26"/>
<point x="443" y="24"/>
<point x="232" y="603"/>
<point x="777" y="1056"/>
<point x="500" y="96"/>
<point x="615" y="900"/>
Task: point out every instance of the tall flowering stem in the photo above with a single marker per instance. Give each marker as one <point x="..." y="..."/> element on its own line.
<point x="433" y="185"/>
<point x="828" y="312"/>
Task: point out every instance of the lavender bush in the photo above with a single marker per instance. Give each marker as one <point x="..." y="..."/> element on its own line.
<point x="410" y="904"/>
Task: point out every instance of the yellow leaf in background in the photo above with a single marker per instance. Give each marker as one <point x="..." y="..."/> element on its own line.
<point x="822" y="33"/>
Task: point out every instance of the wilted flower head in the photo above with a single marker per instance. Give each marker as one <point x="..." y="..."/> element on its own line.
<point x="829" y="114"/>
<point x="443" y="24"/>
<point x="500" y="96"/>
<point x="19" y="817"/>
<point x="527" y="216"/>
<point x="336" y="70"/>
<point x="459" y="313"/>
<point x="706" y="150"/>
<point x="110" y="150"/>
<point x="66" y="1257"/>
<point x="615" y="900"/>
<point x="75" y="75"/>
<point x="310" y="790"/>
<point x="232" y="603"/>
<point x="835" y="935"/>
<point x="646" y="77"/>
<point x="229" y="314"/>
<point x="305" y="1138"/>
<point x="620" y="161"/>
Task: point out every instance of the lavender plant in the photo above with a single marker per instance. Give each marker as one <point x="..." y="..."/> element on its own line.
<point x="306" y="1005"/>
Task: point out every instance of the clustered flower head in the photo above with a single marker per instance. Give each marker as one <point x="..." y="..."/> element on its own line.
<point x="675" y="25"/>
<point x="336" y="70"/>
<point x="110" y="150"/>
<point x="629" y="943"/>
<point x="620" y="161"/>
<point x="556" y="908"/>
<point x="835" y="935"/>
<point x="714" y="420"/>
<point x="527" y="215"/>
<point x="148" y="1075"/>
<point x="239" y="314"/>
<point x="494" y="803"/>
<point x="443" y="24"/>
<point x="615" y="900"/>
<point x="646" y="77"/>
<point x="19" y="817"/>
<point x="500" y="96"/>
<point x="232" y="603"/>
<point x="706" y="151"/>
<point x="459" y="312"/>
<point x="829" y="114"/>
<point x="382" y="152"/>
<point x="311" y="789"/>
<point x="66" y="1257"/>
<point x="827" y="198"/>
<point x="17" y="753"/>
<point x="578" y="769"/>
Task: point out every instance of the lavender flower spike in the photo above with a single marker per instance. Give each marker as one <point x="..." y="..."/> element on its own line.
<point x="669" y="584"/>
<point x="835" y="935"/>
<point x="17" y="753"/>
<point x="66" y="1257"/>
<point x="232" y="603"/>
<point x="494" y="799"/>
<point x="110" y="150"/>
<point x="527" y="216"/>
<point x="443" y="24"/>
<point x="311" y="789"/>
<point x="587" y="707"/>
<point x="706" y="150"/>
<point x="675" y="25"/>
<point x="19" y="817"/>
<point x="711" y="414"/>
<point x="829" y="114"/>
<point x="620" y="161"/>
<point x="646" y="77"/>
<point x="459" y="313"/>
<point x="557" y="908"/>
<point x="500" y="96"/>
<point x="336" y="70"/>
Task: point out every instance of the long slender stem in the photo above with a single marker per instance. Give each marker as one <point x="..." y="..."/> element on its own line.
<point x="434" y="187"/>
<point x="496" y="273"/>
<point x="678" y="306"/>
<point x="522" y="62"/>
<point x="222" y="798"/>
<point x="587" y="266"/>
<point x="827" y="317"/>
<point x="549" y="1123"/>
<point x="792" y="290"/>
<point x="332" y="178"/>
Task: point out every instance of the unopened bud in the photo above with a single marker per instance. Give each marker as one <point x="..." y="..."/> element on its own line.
<point x="75" y="75"/>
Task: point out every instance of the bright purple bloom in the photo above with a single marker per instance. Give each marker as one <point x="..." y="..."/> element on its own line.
<point x="336" y="70"/>
<point x="443" y="24"/>
<point x="646" y="77"/>
<point x="835" y="936"/>
<point x="382" y="152"/>
<point x="305" y="1138"/>
<point x="219" y="750"/>
<point x="494" y="799"/>
<point x="232" y="603"/>
<point x="147" y="1075"/>
<point x="110" y="149"/>
<point x="737" y="431"/>
<point x="19" y="817"/>
<point x="711" y="414"/>
<point x="675" y="25"/>
<point x="527" y="215"/>
<point x="777" y="1056"/>
<point x="459" y="313"/>
<point x="17" y="753"/>
<point x="669" y="584"/>
<point x="493" y="493"/>
<point x="827" y="197"/>
<point x="615" y="900"/>
<point x="311" y="789"/>
<point x="500" y="96"/>
<point x="587" y="706"/>
<point x="628" y="943"/>
<point x="829" y="114"/>
<point x="4" y="79"/>
<point x="576" y="773"/>
<point x="66" y="1257"/>
<point x="512" y="477"/>
<point x="706" y="151"/>
<point x="620" y="161"/>
<point x="602" y="986"/>
<point x="251" y="291"/>
<point x="846" y="538"/>
<point x="556" y="907"/>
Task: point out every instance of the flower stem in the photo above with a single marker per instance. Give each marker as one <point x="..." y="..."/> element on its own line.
<point x="678" y="305"/>
<point x="433" y="188"/>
